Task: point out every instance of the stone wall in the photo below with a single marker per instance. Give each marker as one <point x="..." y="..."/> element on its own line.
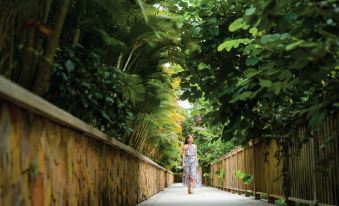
<point x="49" y="157"/>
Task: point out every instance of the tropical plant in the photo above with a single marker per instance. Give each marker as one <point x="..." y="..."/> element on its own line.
<point x="220" y="174"/>
<point x="244" y="177"/>
<point x="93" y="91"/>
<point x="103" y="62"/>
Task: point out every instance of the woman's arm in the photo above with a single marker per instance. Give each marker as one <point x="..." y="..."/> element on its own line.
<point x="196" y="154"/>
<point x="183" y="156"/>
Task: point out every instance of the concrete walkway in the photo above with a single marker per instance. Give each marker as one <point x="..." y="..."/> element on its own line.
<point x="176" y="195"/>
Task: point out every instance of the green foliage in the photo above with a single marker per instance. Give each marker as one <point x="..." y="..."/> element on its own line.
<point x="244" y="177"/>
<point x="281" y="201"/>
<point x="238" y="24"/>
<point x="109" y="73"/>
<point x="221" y="175"/>
<point x="228" y="45"/>
<point x="271" y="67"/>
<point x="94" y="92"/>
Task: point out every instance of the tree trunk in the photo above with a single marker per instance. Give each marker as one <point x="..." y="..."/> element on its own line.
<point x="28" y="56"/>
<point x="41" y="83"/>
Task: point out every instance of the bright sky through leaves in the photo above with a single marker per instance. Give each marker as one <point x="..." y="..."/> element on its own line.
<point x="185" y="104"/>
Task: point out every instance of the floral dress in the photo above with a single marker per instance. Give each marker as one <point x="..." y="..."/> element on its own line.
<point x="190" y="169"/>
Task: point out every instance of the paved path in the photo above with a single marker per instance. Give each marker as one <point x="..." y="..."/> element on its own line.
<point x="176" y="195"/>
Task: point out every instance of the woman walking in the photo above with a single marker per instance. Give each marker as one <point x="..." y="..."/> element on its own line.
<point x="190" y="164"/>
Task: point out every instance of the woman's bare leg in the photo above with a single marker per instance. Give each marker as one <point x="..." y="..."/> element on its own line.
<point x="191" y="184"/>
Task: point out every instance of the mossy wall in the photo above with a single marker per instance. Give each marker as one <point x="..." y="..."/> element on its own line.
<point x="43" y="162"/>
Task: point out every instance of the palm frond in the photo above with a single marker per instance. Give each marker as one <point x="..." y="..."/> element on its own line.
<point x="134" y="89"/>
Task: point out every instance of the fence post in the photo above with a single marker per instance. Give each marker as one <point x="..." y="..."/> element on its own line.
<point x="256" y="196"/>
<point x="247" y="194"/>
<point x="237" y="168"/>
<point x="269" y="186"/>
<point x="286" y="165"/>
<point x="315" y="146"/>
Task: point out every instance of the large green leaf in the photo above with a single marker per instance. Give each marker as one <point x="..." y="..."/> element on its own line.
<point x="269" y="38"/>
<point x="109" y="40"/>
<point x="252" y="61"/>
<point x="317" y="118"/>
<point x="265" y="83"/>
<point x="238" y="24"/>
<point x="250" y="11"/>
<point x="228" y="45"/>
<point x="242" y="96"/>
<point x="294" y="45"/>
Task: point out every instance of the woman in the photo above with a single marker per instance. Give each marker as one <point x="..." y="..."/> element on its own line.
<point x="190" y="164"/>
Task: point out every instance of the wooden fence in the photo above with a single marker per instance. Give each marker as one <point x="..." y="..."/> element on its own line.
<point x="49" y="157"/>
<point x="312" y="170"/>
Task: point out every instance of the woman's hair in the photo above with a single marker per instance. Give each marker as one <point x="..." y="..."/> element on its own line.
<point x="186" y="138"/>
